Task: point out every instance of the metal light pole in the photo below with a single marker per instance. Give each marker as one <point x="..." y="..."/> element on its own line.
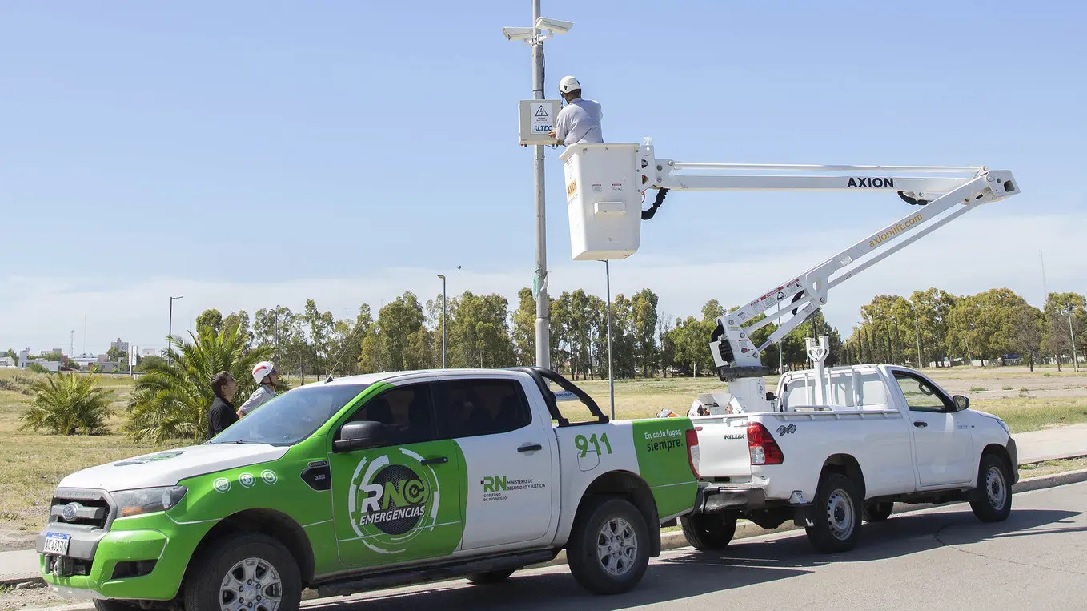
<point x="535" y="39"/>
<point x="611" y="380"/>
<point x="170" y="337"/>
<point x="444" y="335"/>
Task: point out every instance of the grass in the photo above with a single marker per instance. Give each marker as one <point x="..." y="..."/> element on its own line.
<point x="32" y="464"/>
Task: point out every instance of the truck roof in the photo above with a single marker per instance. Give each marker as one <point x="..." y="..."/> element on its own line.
<point x="396" y="376"/>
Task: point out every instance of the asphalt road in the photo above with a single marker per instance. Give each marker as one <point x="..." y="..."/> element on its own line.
<point x="940" y="558"/>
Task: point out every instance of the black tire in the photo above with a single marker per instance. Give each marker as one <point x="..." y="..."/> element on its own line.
<point x="707" y="531"/>
<point x="878" y="511"/>
<point x="490" y="577"/>
<point x="835" y="514"/>
<point x="992" y="499"/>
<point x="269" y="559"/>
<point x="594" y="525"/>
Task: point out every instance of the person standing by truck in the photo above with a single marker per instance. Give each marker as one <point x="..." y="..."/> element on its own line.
<point x="222" y="412"/>
<point x="266" y="376"/>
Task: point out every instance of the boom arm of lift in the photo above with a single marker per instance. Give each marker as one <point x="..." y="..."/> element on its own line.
<point x="944" y="195"/>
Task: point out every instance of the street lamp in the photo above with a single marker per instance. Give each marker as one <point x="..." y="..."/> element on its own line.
<point x="170" y="337"/>
<point x="534" y="36"/>
<point x="611" y="380"/>
<point x="442" y="276"/>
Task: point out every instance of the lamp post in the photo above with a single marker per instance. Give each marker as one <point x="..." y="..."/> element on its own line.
<point x="611" y="380"/>
<point x="442" y="276"/>
<point x="534" y="37"/>
<point x="170" y="336"/>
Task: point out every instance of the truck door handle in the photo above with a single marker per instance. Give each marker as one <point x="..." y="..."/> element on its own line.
<point x="920" y="424"/>
<point x="435" y="460"/>
<point x="530" y="448"/>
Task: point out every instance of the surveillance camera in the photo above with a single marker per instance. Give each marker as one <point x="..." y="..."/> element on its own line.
<point x="556" y="26"/>
<point x="517" y="33"/>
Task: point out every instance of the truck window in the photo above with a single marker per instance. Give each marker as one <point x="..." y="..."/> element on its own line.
<point x="406" y="411"/>
<point x="920" y="395"/>
<point x="292" y="416"/>
<point x="468" y="408"/>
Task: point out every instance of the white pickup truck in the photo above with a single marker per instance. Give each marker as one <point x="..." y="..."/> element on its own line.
<point x="883" y="434"/>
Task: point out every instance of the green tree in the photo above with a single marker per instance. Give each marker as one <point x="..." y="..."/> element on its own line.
<point x="1060" y="310"/>
<point x="67" y="404"/>
<point x="523" y="333"/>
<point x="171" y="399"/>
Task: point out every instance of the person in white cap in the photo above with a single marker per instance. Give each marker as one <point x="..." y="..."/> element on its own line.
<point x="579" y="121"/>
<point x="266" y="377"/>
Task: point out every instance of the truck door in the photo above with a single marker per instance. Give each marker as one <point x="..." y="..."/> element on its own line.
<point x="510" y="460"/>
<point x="943" y="445"/>
<point x="402" y="501"/>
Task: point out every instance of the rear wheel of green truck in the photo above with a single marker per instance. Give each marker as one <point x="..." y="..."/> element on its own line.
<point x="608" y="550"/>
<point x="708" y="531"/>
<point x="244" y="571"/>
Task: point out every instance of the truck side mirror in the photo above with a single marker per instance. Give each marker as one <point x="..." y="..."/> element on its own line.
<point x="961" y="402"/>
<point x="359" y="435"/>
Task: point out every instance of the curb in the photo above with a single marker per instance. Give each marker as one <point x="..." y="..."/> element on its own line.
<point x="676" y="540"/>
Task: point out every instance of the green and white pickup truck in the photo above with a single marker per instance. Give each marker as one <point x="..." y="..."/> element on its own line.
<point x="373" y="481"/>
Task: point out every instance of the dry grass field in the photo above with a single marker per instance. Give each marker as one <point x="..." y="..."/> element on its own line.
<point x="31" y="464"/>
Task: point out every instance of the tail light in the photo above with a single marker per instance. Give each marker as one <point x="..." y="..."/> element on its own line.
<point x="761" y="445"/>
<point x="693" y="455"/>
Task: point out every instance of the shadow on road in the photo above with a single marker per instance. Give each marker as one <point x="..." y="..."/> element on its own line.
<point x="901" y="535"/>
<point x="690" y="573"/>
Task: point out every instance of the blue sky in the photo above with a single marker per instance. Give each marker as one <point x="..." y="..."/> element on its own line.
<point x="245" y="154"/>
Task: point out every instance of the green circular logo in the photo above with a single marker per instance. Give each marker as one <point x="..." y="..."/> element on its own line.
<point x="393" y="498"/>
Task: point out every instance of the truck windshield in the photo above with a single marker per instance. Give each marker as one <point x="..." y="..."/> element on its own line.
<point x="291" y="416"/>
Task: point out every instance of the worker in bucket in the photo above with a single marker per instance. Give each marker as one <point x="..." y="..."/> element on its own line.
<point x="579" y="120"/>
<point x="266" y="376"/>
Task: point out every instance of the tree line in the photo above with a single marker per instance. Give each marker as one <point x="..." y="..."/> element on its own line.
<point x="171" y="397"/>
<point x="925" y="328"/>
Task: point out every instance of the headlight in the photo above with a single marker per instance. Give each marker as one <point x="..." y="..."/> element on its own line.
<point x="147" y="500"/>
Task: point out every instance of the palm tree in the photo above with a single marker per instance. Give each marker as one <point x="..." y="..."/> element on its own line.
<point x="69" y="403"/>
<point x="172" y="397"/>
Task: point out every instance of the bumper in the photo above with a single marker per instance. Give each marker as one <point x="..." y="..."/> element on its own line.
<point x="712" y="499"/>
<point x="143" y="564"/>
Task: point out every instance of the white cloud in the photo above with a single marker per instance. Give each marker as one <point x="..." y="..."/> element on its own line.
<point x="965" y="257"/>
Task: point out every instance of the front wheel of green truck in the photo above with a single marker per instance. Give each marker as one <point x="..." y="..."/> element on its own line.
<point x="608" y="550"/>
<point x="244" y="571"/>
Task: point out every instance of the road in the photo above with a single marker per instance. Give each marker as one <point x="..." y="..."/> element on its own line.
<point x="940" y="558"/>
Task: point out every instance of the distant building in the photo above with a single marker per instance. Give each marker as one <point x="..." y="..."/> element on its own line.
<point x="7" y="361"/>
<point x="119" y="345"/>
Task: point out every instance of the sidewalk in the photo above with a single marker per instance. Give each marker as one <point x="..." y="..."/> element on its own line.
<point x="1053" y="444"/>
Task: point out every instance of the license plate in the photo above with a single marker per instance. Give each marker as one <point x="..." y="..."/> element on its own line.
<point x="57" y="543"/>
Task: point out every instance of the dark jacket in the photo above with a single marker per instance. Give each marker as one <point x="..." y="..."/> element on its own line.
<point x="221" y="415"/>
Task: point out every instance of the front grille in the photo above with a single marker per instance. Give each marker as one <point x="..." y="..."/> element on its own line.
<point x="89" y="508"/>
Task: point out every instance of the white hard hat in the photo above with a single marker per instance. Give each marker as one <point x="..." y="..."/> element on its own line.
<point x="568" y="84"/>
<point x="262" y="369"/>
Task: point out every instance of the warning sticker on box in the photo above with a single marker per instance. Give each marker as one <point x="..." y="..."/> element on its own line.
<point x="542" y="121"/>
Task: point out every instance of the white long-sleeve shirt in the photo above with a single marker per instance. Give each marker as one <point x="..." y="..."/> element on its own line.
<point x="579" y="122"/>
<point x="259" y="397"/>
